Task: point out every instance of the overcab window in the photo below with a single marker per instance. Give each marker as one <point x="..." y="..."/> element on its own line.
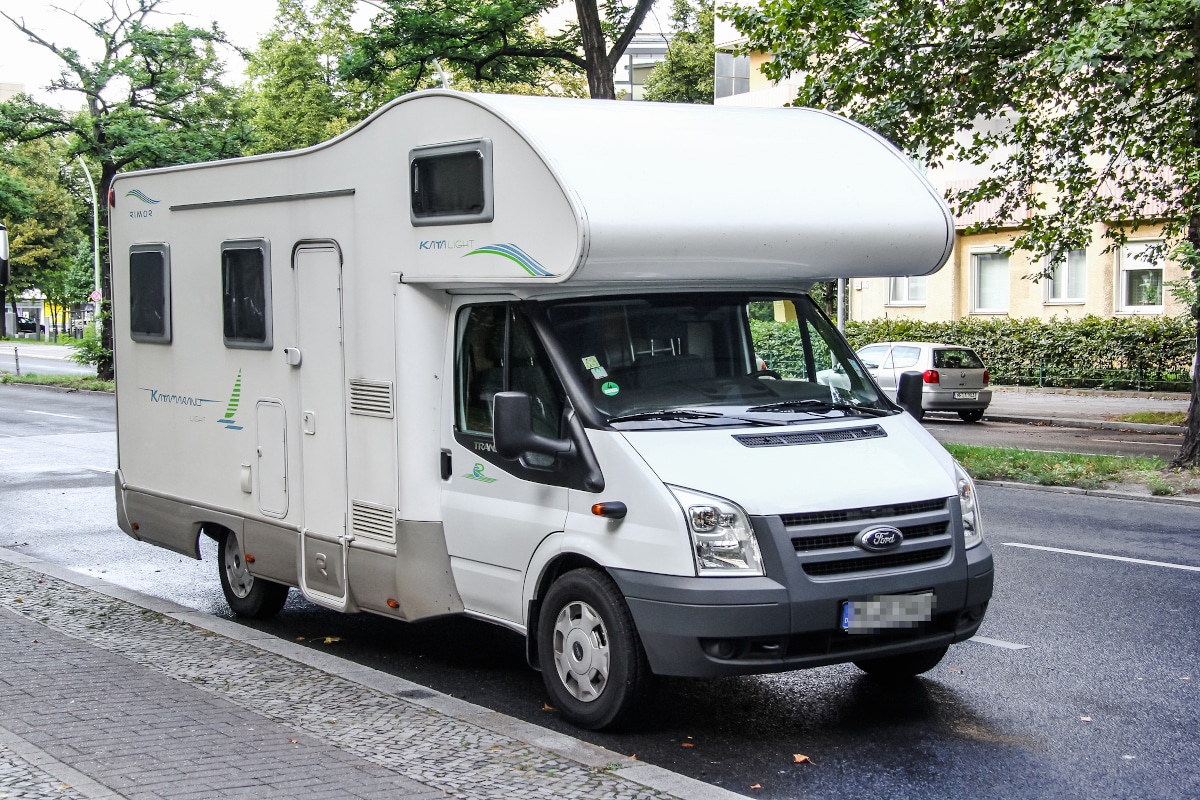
<point x="451" y="184"/>
<point x="246" y="293"/>
<point x="150" y="293"/>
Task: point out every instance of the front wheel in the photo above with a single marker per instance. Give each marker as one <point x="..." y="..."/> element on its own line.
<point x="247" y="595"/>
<point x="902" y="666"/>
<point x="971" y="415"/>
<point x="592" y="659"/>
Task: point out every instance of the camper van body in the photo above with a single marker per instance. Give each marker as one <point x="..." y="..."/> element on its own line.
<point x="302" y="339"/>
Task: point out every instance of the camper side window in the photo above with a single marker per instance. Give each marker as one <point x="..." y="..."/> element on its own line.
<point x="451" y="184"/>
<point x="150" y="293"/>
<point x="246" y="293"/>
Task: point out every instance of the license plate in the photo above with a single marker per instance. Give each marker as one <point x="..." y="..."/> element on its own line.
<point x="966" y="395"/>
<point x="887" y="612"/>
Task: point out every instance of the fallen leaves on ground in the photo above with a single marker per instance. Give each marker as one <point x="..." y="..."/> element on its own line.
<point x="956" y="670"/>
<point x="547" y="707"/>
<point x="688" y="744"/>
<point x="332" y="639"/>
<point x="800" y="758"/>
<point x="756" y="786"/>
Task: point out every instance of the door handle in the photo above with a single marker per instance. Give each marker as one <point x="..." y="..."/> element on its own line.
<point x="292" y="356"/>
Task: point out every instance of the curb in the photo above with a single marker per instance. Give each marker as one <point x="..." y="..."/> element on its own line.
<point x="1106" y="493"/>
<point x="583" y="753"/>
<point x="1098" y="424"/>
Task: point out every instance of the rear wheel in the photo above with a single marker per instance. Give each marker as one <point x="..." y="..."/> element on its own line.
<point x="247" y="595"/>
<point x="971" y="415"/>
<point x="902" y="666"/>
<point x="592" y="660"/>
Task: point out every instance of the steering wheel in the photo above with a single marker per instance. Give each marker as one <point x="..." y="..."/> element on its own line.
<point x="766" y="373"/>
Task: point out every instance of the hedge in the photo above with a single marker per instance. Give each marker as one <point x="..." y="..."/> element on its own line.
<point x="1092" y="352"/>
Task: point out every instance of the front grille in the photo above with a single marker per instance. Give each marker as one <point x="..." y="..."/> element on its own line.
<point x="830" y="541"/>
<point x="888" y="561"/>
<point x="870" y="512"/>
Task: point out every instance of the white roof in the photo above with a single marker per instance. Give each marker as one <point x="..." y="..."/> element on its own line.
<point x="703" y="192"/>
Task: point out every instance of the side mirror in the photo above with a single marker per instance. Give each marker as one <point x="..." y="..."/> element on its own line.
<point x="908" y="394"/>
<point x="512" y="427"/>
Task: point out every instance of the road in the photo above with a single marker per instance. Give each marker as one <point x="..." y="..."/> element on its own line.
<point x="33" y="364"/>
<point x="1053" y="438"/>
<point x="1088" y="689"/>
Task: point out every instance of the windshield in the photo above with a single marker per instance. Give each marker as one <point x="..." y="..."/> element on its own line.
<point x="663" y="358"/>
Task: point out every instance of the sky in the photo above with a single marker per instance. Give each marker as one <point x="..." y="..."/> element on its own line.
<point x="244" y="21"/>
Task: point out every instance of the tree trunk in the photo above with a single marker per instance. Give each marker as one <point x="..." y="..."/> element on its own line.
<point x="1189" y="451"/>
<point x="105" y="369"/>
<point x="595" y="51"/>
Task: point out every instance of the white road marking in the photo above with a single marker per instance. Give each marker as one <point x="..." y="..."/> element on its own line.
<point x="1102" y="555"/>
<point x="998" y="643"/>
<point x="1123" y="441"/>
<point x="48" y="414"/>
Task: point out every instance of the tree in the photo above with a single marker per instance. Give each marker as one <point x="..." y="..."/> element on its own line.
<point x="493" y="41"/>
<point x="43" y="239"/>
<point x="686" y="74"/>
<point x="1083" y="112"/>
<point x="153" y="98"/>
<point x="15" y="197"/>
<point x="297" y="96"/>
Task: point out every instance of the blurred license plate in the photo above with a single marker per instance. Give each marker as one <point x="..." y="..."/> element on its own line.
<point x="966" y="395"/>
<point x="886" y="611"/>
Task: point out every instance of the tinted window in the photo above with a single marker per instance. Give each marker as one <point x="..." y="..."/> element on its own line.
<point x="956" y="359"/>
<point x="872" y="356"/>
<point x="246" y="291"/>
<point x="451" y="184"/>
<point x="149" y="294"/>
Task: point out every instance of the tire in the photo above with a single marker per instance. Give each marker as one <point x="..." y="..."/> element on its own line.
<point x="903" y="666"/>
<point x="592" y="659"/>
<point x="971" y="415"/>
<point x="247" y="595"/>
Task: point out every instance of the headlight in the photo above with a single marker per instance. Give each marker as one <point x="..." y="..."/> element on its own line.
<point x="972" y="523"/>
<point x="722" y="539"/>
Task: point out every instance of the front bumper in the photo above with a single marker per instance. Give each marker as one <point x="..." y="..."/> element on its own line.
<point x="790" y="619"/>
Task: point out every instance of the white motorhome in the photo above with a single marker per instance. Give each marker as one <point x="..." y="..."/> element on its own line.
<point x="493" y="356"/>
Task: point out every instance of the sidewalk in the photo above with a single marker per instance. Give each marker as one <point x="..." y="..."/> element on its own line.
<point x="1082" y="408"/>
<point x="110" y="694"/>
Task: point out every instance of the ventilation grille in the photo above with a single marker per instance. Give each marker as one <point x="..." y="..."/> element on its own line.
<point x="818" y="568"/>
<point x="371" y="398"/>
<point x="822" y="437"/>
<point x="831" y="541"/>
<point x="373" y="522"/>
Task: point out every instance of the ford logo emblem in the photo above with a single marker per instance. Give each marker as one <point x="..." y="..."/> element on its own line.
<point x="879" y="539"/>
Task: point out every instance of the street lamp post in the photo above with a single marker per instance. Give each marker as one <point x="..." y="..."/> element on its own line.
<point x="96" y="293"/>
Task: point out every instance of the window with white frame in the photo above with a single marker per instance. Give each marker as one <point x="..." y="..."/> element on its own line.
<point x="732" y="74"/>
<point x="1068" y="279"/>
<point x="989" y="282"/>
<point x="1141" y="278"/>
<point x="909" y="291"/>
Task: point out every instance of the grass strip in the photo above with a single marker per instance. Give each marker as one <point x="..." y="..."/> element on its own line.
<point x="1054" y="469"/>
<point x="76" y="382"/>
<point x="1153" y="417"/>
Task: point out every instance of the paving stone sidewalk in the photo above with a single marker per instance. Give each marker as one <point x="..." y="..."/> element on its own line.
<point x="141" y="705"/>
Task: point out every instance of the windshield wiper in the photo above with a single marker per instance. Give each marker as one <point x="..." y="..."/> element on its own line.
<point x="800" y="405"/>
<point x="664" y="414"/>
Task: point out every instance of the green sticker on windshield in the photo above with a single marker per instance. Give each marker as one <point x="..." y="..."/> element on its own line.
<point x="610" y="389"/>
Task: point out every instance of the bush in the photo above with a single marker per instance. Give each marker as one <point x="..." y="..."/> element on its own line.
<point x="1093" y="352"/>
<point x="89" y="350"/>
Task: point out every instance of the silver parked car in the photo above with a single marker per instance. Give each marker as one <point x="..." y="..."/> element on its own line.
<point x="955" y="379"/>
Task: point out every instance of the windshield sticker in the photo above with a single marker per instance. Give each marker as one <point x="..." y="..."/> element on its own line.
<point x="610" y="389"/>
<point x="592" y="363"/>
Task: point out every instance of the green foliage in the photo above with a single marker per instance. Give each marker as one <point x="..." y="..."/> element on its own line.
<point x="1124" y="352"/>
<point x="90" y="350"/>
<point x="1078" y="112"/>
<point x="77" y="382"/>
<point x="686" y="74"/>
<point x="297" y="95"/>
<point x="1052" y="469"/>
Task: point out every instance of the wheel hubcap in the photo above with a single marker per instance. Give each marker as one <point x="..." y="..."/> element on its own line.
<point x="581" y="653"/>
<point x="240" y="579"/>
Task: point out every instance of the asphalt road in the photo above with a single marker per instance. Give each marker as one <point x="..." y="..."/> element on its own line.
<point x="32" y="364"/>
<point x="1059" y="438"/>
<point x="1099" y="699"/>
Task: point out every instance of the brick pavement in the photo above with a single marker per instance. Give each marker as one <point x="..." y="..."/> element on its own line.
<point x="146" y="706"/>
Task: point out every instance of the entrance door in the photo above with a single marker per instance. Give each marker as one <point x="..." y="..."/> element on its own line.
<point x="319" y="359"/>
